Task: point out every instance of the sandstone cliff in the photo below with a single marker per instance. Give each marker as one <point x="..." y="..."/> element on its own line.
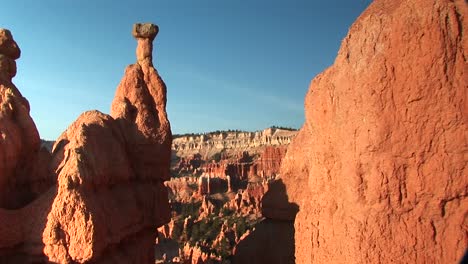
<point x="269" y="162"/>
<point x="379" y="168"/>
<point x="106" y="194"/>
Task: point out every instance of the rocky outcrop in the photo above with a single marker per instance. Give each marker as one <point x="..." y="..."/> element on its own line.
<point x="232" y="142"/>
<point x="269" y="163"/>
<point x="182" y="189"/>
<point x="196" y="254"/>
<point x="248" y="201"/>
<point x="226" y="235"/>
<point x="139" y="106"/>
<point x="187" y="165"/>
<point x="206" y="208"/>
<point x="237" y="166"/>
<point x="379" y="168"/>
<point x="107" y="195"/>
<point x="208" y="185"/>
<point x="23" y="174"/>
<point x="166" y="231"/>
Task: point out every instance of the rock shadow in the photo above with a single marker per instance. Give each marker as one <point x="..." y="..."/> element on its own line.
<point x="272" y="240"/>
<point x="21" y="236"/>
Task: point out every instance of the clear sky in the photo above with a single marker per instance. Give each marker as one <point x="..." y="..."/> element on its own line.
<point x="228" y="64"/>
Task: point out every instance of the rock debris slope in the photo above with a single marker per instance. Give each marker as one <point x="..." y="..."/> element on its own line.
<point x="379" y="168"/>
<point x="106" y="196"/>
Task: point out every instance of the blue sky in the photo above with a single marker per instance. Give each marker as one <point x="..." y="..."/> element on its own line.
<point x="228" y="64"/>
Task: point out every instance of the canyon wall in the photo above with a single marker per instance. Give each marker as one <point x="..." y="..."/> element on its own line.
<point x="379" y="168"/>
<point x="231" y="142"/>
<point x="269" y="162"/>
<point x="100" y="196"/>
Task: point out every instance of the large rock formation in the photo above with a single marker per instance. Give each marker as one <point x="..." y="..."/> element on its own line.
<point x="379" y="168"/>
<point x="139" y="107"/>
<point x="107" y="194"/>
<point x="22" y="175"/>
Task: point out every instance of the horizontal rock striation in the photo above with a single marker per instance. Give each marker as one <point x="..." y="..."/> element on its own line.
<point x="234" y="142"/>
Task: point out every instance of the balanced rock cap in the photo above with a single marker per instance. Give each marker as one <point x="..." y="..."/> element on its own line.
<point x="8" y="46"/>
<point x="145" y="30"/>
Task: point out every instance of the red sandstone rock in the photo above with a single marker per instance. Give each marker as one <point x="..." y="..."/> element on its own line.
<point x="166" y="231"/>
<point x="226" y="235"/>
<point x="236" y="167"/>
<point x="195" y="255"/>
<point x="8" y="46"/>
<point x="23" y="173"/>
<point x="248" y="202"/>
<point x="379" y="168"/>
<point x="109" y="194"/>
<point x="206" y="208"/>
<point x="188" y="165"/>
<point x="208" y="185"/>
<point x="269" y="163"/>
<point x="181" y="189"/>
<point x="91" y="191"/>
<point x="139" y="106"/>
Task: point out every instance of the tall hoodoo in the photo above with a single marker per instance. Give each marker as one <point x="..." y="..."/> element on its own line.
<point x="139" y="106"/>
<point x="379" y="168"/>
<point x="106" y="196"/>
<point x="125" y="184"/>
<point x="145" y="34"/>
<point x="9" y="52"/>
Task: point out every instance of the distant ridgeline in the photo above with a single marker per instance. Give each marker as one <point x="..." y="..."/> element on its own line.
<point x="210" y="143"/>
<point x="217" y="132"/>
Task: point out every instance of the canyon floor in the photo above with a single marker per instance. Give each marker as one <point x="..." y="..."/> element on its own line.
<point x="218" y="182"/>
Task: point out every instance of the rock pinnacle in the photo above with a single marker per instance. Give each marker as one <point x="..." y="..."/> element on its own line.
<point x="145" y="34"/>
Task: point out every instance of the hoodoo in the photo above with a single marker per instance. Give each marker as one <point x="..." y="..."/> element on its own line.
<point x="22" y="171"/>
<point x="106" y="195"/>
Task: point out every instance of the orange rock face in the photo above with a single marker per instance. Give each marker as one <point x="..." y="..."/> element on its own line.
<point x="269" y="162"/>
<point x="107" y="195"/>
<point x="379" y="168"/>
<point x="237" y="167"/>
<point x="22" y="176"/>
<point x="139" y="107"/>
